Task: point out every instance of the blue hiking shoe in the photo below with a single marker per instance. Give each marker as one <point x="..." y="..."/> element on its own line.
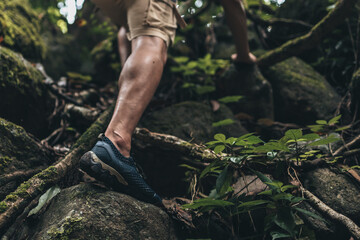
<point x="105" y="163"/>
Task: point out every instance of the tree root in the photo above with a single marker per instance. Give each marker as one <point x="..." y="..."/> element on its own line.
<point x="323" y="208"/>
<point x="312" y="38"/>
<point x="176" y="144"/>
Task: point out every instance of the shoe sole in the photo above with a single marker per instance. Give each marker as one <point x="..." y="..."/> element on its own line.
<point x="96" y="168"/>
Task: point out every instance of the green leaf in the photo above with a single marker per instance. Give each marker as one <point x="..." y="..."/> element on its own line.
<point x="219" y="148"/>
<point x="311" y="214"/>
<point x="277" y="235"/>
<point x="46" y="197"/>
<point x="294" y="133"/>
<point x="321" y="122"/>
<point x="207" y="202"/>
<point x="282" y="196"/>
<point x="285" y="220"/>
<point x="267" y="192"/>
<point x="264" y="178"/>
<point x="245" y="136"/>
<point x="254" y="140"/>
<point x="310" y="137"/>
<point x="253" y="203"/>
<point x="334" y="120"/>
<point x="188" y="167"/>
<point x="223" y="181"/>
<point x="181" y="59"/>
<point x="342" y="128"/>
<point x="205" y="89"/>
<point x="230" y="99"/>
<point x="286" y="187"/>
<point x="230" y="140"/>
<point x="211" y="168"/>
<point x="324" y="141"/>
<point x="220" y="137"/>
<point x="277" y="184"/>
<point x="213" y="143"/>
<point x="223" y="122"/>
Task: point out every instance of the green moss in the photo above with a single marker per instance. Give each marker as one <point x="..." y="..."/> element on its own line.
<point x="3" y="206"/>
<point x="295" y="71"/>
<point x="64" y="231"/>
<point x="21" y="191"/>
<point x="48" y="173"/>
<point x="11" y="198"/>
<point x="19" y="25"/>
<point x="4" y="162"/>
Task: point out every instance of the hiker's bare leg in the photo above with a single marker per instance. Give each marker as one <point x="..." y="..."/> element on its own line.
<point x="236" y="19"/>
<point x="137" y="84"/>
<point x="124" y="45"/>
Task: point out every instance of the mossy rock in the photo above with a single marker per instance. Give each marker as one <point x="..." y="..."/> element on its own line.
<point x="336" y="190"/>
<point x="24" y="99"/>
<point x="192" y="121"/>
<point x="301" y="95"/>
<point x="19" y="27"/>
<point x="18" y="152"/>
<point x="88" y="212"/>
<point x="246" y="80"/>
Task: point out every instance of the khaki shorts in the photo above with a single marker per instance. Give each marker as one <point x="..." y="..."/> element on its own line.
<point x="142" y="17"/>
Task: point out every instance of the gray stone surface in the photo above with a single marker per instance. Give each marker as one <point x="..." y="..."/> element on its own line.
<point x="192" y="121"/>
<point x="88" y="212"/>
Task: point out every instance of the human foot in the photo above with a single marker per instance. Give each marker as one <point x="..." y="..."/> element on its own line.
<point x="105" y="163"/>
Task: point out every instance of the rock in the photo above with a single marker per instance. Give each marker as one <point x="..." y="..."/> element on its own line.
<point x="87" y="211"/>
<point x="18" y="153"/>
<point x="335" y="190"/>
<point x="19" y="27"/>
<point x="192" y="121"/>
<point x="301" y="95"/>
<point x="247" y="81"/>
<point x="323" y="230"/>
<point x="24" y="99"/>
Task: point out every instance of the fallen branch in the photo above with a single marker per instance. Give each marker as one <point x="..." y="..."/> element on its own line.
<point x="16" y="202"/>
<point x="312" y="38"/>
<point x="176" y="144"/>
<point x="347" y="146"/>
<point x="277" y="21"/>
<point x="323" y="208"/>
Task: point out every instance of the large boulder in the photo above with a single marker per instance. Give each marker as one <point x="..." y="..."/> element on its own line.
<point x="24" y="99"/>
<point x="19" y="29"/>
<point x="246" y="80"/>
<point x="21" y="156"/>
<point x="87" y="211"/>
<point x="192" y="121"/>
<point x="335" y="190"/>
<point x="301" y="95"/>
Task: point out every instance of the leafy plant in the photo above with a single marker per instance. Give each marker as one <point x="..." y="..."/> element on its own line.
<point x="279" y="202"/>
<point x="198" y="74"/>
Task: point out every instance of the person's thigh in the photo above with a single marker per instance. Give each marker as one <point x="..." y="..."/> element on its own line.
<point x="151" y="18"/>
